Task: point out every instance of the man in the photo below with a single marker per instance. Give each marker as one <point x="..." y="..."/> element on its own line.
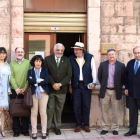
<point x="82" y="83"/>
<point x="59" y="68"/>
<point x="19" y="83"/>
<point x="132" y="90"/>
<point x="111" y="78"/>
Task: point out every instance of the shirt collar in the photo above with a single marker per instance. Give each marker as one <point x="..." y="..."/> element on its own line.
<point x="39" y="69"/>
<point x="21" y="61"/>
<point x="57" y="57"/>
<point x="113" y="63"/>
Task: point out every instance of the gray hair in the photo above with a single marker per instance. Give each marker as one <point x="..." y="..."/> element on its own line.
<point x="19" y="47"/>
<point x="58" y="44"/>
<point x="110" y="51"/>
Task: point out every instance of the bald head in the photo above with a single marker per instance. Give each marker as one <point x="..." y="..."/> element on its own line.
<point x="136" y="52"/>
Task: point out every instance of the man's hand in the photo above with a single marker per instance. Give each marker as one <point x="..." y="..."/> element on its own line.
<point x="70" y="88"/>
<point x="126" y="92"/>
<point x="56" y="86"/>
<point x="92" y="86"/>
<point x="9" y="93"/>
<point x="18" y="91"/>
<point x="22" y="91"/>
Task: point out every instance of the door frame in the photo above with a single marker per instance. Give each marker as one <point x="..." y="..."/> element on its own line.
<point x="26" y="42"/>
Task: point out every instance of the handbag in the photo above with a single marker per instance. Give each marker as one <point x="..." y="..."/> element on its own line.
<point x="28" y="100"/>
<point x="16" y="108"/>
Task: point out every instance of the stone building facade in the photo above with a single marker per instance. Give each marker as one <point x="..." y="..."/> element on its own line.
<point x="108" y="21"/>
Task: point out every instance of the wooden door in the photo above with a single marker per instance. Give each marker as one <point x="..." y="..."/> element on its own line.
<point x="43" y="42"/>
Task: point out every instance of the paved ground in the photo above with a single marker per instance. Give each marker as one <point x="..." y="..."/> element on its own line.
<point x="71" y="135"/>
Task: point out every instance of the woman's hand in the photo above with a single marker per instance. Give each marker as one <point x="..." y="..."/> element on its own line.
<point x="41" y="79"/>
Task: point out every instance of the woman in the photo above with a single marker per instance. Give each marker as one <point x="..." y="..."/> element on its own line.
<point x="5" y="90"/>
<point x="38" y="78"/>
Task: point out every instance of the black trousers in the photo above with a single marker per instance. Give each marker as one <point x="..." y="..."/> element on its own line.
<point x="134" y="105"/>
<point x="23" y="125"/>
<point x="81" y="96"/>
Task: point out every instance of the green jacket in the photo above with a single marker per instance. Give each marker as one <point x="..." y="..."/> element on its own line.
<point x="62" y="74"/>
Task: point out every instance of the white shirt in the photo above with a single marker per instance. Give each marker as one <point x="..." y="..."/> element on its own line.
<point x="93" y="68"/>
<point x="38" y="81"/>
<point x="21" y="61"/>
<point x="59" y="58"/>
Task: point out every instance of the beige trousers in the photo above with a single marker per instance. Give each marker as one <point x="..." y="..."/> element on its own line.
<point x="42" y="105"/>
<point x="110" y="96"/>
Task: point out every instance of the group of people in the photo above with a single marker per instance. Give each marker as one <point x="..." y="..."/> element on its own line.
<point x="49" y="79"/>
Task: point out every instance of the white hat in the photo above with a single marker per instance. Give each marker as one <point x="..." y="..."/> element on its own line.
<point x="79" y="45"/>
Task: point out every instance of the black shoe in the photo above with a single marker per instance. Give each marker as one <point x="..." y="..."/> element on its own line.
<point x="26" y="133"/>
<point x="47" y="134"/>
<point x="103" y="132"/>
<point x="115" y="132"/>
<point x="34" y="137"/>
<point x="16" y="134"/>
<point x="57" y="131"/>
<point x="130" y="133"/>
<point x="44" y="137"/>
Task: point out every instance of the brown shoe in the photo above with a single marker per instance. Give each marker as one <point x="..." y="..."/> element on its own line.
<point x="77" y="129"/>
<point x="86" y="128"/>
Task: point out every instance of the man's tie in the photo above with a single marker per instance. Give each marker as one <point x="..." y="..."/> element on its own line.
<point x="136" y="67"/>
<point x="57" y="62"/>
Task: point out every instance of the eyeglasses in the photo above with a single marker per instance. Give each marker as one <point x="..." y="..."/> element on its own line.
<point x="59" y="50"/>
<point x="19" y="52"/>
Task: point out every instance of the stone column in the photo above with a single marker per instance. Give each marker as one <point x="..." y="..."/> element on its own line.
<point x="17" y="27"/>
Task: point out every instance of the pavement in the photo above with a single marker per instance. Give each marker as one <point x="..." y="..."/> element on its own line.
<point x="69" y="134"/>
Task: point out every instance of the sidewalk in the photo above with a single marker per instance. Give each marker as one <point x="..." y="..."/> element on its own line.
<point x="71" y="135"/>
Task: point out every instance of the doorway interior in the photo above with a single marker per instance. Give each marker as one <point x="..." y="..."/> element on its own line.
<point x="45" y="42"/>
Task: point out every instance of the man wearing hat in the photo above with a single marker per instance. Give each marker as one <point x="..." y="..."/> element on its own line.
<point x="82" y="83"/>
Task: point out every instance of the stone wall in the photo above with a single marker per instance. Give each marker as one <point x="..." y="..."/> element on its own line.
<point x="120" y="24"/>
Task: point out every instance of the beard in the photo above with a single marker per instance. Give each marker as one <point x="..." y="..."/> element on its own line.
<point x="19" y="57"/>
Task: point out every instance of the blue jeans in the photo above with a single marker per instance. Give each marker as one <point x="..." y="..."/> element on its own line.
<point x="81" y="97"/>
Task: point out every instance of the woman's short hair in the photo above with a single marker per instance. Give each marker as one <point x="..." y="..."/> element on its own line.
<point x="3" y="50"/>
<point x="37" y="57"/>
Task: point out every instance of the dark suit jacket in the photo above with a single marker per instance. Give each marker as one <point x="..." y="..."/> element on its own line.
<point x="132" y="82"/>
<point x="62" y="74"/>
<point x="43" y="75"/>
<point x="119" y="78"/>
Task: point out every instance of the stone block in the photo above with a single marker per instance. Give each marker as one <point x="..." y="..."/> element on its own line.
<point x="112" y="21"/>
<point x="17" y="12"/>
<point x="4" y="3"/>
<point x="105" y="30"/>
<point x="124" y="9"/>
<point x="94" y="44"/>
<point x="129" y="21"/>
<point x="116" y="39"/>
<point x="117" y="29"/>
<point x="93" y="3"/>
<point x="4" y="29"/>
<point x="105" y="39"/>
<point x="130" y="38"/>
<point x="4" y="12"/>
<point x="130" y="29"/>
<point x="4" y="40"/>
<point x="17" y="27"/>
<point x="93" y="30"/>
<point x="93" y="14"/>
<point x="95" y="107"/>
<point x="107" y="9"/>
<point x="17" y="2"/>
